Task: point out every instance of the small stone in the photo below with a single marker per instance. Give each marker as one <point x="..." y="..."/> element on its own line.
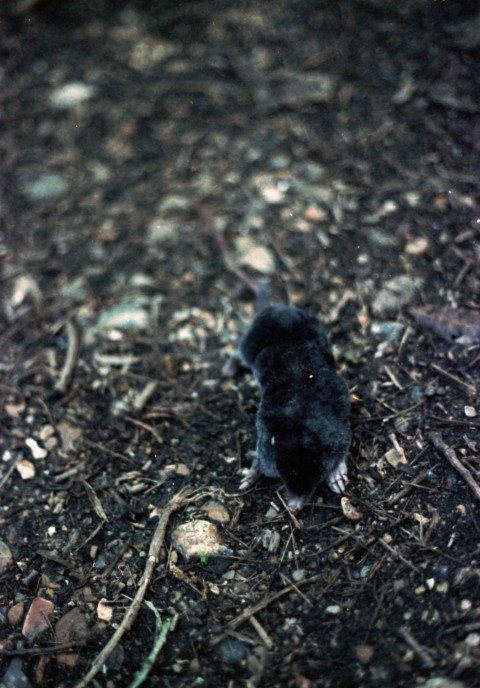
<point x="333" y="609"/>
<point x="38" y="618"/>
<point x="315" y="214"/>
<point x="271" y="540"/>
<point x="254" y="256"/>
<point x="104" y="611"/>
<point x="199" y="539"/>
<point x="15" y="614"/>
<point x="38" y="452"/>
<point x="217" y="512"/>
<point x="272" y="194"/>
<point x="160" y="229"/>
<point x="442" y="682"/>
<point x="124" y="316"/>
<point x="69" y="435"/>
<point x="364" y="653"/>
<point x="6" y="557"/>
<point x="26" y="469"/>
<point x="44" y="187"/>
<point x="14" y="677"/>
<point x="71" y="628"/>
<point x="69" y="95"/>
<point x="298" y="575"/>
<point x="232" y="650"/>
<point x="416" y="247"/>
<point x="46" y="432"/>
<point x="395" y="294"/>
<point x="14" y="410"/>
<point x="389" y="330"/>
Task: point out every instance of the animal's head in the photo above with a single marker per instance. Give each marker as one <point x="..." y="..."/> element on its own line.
<point x="303" y="462"/>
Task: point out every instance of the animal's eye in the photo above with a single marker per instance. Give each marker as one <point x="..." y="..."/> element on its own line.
<point x="273" y="440"/>
<point x="310" y="376"/>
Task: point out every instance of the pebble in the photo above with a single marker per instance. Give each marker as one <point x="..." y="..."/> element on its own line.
<point x="253" y="256"/>
<point x="217" y="512"/>
<point x="38" y="452"/>
<point x="333" y="609"/>
<point x="69" y="95"/>
<point x="364" y="653"/>
<point x="298" y="575"/>
<point x="232" y="650"/>
<point x="6" y="557"/>
<point x="15" y="614"/>
<point x="45" y="186"/>
<point x="26" y="469"/>
<point x="395" y="294"/>
<point x="271" y="540"/>
<point x="390" y="330"/>
<point x="38" y="618"/>
<point x="14" y="676"/>
<point x="160" y="229"/>
<point x="124" y="316"/>
<point x="442" y="682"/>
<point x="199" y="539"/>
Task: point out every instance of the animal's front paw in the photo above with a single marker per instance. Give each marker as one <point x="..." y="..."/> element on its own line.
<point x="338" y="478"/>
<point x="251" y="477"/>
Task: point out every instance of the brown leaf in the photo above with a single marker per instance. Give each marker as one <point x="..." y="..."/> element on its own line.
<point x="38" y="618"/>
<point x="450" y="323"/>
<point x="71" y="628"/>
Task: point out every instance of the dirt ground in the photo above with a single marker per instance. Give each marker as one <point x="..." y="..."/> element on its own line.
<point x="334" y="147"/>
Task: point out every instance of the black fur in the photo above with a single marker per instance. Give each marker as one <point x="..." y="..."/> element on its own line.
<point x="303" y="432"/>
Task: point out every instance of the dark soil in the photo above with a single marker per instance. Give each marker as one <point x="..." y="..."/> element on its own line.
<point x="343" y="138"/>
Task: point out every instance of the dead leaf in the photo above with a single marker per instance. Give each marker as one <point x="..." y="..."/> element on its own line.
<point x="349" y="510"/>
<point x="71" y="628"/>
<point x="104" y="611"/>
<point x="38" y="618"/>
<point x="453" y="324"/>
<point x="396" y="456"/>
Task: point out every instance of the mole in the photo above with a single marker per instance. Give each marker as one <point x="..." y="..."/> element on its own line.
<point x="302" y="423"/>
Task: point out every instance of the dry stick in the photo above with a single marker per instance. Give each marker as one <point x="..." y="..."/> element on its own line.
<point x="147" y="427"/>
<point x="404" y="491"/>
<point x="450" y="455"/>
<point x="262" y="633"/>
<point x="74" y="337"/>
<point x="180" y="499"/>
<point x="421" y="651"/>
<point x="470" y="389"/>
<point x="228" y="262"/>
<point x="254" y="608"/>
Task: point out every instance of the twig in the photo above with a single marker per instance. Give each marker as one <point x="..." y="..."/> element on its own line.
<point x="422" y="652"/>
<point x="147" y="427"/>
<point x="161" y="630"/>
<point x="144" y="396"/>
<point x="262" y="633"/>
<point x="227" y="260"/>
<point x="266" y="601"/>
<point x="397" y="555"/>
<point x="74" y="337"/>
<point x="42" y="650"/>
<point x="403" y="492"/>
<point x="450" y="455"/>
<point x="180" y="499"/>
<point x="470" y="389"/>
<point x="9" y="472"/>
<point x="295" y="520"/>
